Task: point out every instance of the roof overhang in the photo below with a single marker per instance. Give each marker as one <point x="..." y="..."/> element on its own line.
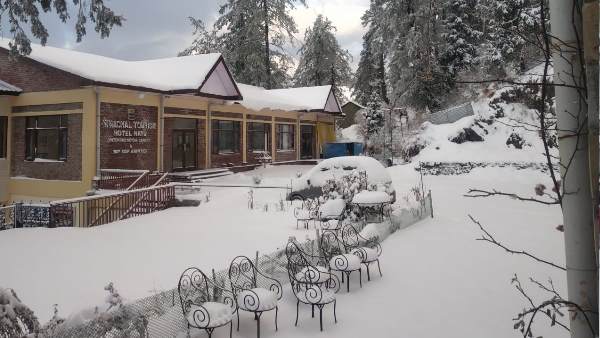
<point x="8" y="89"/>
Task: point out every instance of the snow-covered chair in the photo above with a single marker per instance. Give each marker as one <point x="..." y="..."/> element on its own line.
<point x="253" y="291"/>
<point x="338" y="259"/>
<point x="331" y="214"/>
<point x="368" y="249"/>
<point x="311" y="282"/>
<point x="304" y="216"/>
<point x="205" y="305"/>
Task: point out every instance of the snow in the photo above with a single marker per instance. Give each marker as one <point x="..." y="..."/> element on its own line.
<point x="333" y="208"/>
<point x="352" y="134"/>
<point x="247" y="300"/>
<point x="342" y="166"/>
<point x="218" y="314"/>
<point x="161" y="74"/>
<point x="371" y="197"/>
<point x="297" y="99"/>
<point x="438" y="281"/>
<point x="7" y="87"/>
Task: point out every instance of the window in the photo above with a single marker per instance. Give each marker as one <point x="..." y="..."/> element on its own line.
<point x="285" y="137"/>
<point x="259" y="136"/>
<point x="46" y="138"/>
<point x="225" y="137"/>
<point x="3" y="135"/>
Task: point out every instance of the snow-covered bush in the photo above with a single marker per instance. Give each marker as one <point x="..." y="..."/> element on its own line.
<point x="16" y="319"/>
<point x="257" y="179"/>
<point x="345" y="187"/>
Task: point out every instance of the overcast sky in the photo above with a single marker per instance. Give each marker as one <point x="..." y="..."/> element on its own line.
<point x="159" y="28"/>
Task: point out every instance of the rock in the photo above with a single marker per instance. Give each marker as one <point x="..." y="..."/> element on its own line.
<point x="467" y="135"/>
<point x="515" y="140"/>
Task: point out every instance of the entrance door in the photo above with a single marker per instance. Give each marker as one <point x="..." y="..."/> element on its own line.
<point x="307" y="142"/>
<point x="184" y="150"/>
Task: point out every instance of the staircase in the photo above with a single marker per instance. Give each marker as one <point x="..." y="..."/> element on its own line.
<point x="199" y="175"/>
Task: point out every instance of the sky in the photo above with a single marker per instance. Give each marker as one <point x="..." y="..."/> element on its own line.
<point x="160" y="28"/>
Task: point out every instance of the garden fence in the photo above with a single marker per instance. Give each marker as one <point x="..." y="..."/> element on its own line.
<point x="160" y="315"/>
<point x="451" y="115"/>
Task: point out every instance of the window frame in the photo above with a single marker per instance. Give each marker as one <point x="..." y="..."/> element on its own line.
<point x="32" y="129"/>
<point x="219" y="131"/>
<point x="3" y="137"/>
<point x="266" y="135"/>
<point x="291" y="135"/>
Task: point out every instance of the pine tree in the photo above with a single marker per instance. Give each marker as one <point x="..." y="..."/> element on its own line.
<point x="254" y="33"/>
<point x="461" y="36"/>
<point x="322" y="60"/>
<point x="374" y="116"/>
<point x="27" y="12"/>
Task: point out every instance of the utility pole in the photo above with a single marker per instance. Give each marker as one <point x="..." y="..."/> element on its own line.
<point x="572" y="114"/>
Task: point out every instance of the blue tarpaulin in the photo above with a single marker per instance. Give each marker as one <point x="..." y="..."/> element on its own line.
<point x="342" y="149"/>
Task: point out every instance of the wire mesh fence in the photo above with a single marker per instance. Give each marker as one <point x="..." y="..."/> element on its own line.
<point x="452" y="114"/>
<point x="161" y="316"/>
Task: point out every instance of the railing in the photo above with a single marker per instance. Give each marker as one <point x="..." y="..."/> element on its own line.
<point x="121" y="179"/>
<point x="103" y="209"/>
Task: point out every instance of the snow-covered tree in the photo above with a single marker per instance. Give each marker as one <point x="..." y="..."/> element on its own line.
<point x="461" y="35"/>
<point x="20" y="13"/>
<point x="205" y="41"/>
<point x="16" y="319"/>
<point x="322" y="60"/>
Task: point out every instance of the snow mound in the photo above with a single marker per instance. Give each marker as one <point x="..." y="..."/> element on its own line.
<point x="352" y="134"/>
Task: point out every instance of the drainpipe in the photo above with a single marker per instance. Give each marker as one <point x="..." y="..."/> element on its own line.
<point x="208" y="136"/>
<point x="161" y="145"/>
<point x="298" y="137"/>
<point x="97" y="97"/>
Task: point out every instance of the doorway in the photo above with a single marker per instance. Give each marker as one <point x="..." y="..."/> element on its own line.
<point x="307" y="142"/>
<point x="184" y="150"/>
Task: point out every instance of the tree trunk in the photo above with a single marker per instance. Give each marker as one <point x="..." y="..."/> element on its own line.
<point x="571" y="110"/>
<point x="590" y="39"/>
<point x="267" y="45"/>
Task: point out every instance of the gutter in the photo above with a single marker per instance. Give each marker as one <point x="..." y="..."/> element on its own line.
<point x="97" y="97"/>
<point x="161" y="144"/>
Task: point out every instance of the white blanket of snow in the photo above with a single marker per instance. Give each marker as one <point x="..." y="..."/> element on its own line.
<point x="177" y="73"/>
<point x="341" y="166"/>
<point x="438" y="281"/>
<point x="303" y="98"/>
<point x="371" y="197"/>
<point x="352" y="134"/>
<point x="332" y="208"/>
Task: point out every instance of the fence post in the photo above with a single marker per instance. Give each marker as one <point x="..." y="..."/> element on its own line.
<point x="17" y="215"/>
<point x="430" y="203"/>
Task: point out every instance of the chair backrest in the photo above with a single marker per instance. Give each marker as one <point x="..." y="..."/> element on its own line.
<point x="331" y="245"/>
<point x="242" y="274"/>
<point x="350" y="237"/>
<point x="295" y="260"/>
<point x="193" y="288"/>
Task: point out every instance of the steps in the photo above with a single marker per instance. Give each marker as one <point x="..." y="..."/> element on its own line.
<point x="199" y="175"/>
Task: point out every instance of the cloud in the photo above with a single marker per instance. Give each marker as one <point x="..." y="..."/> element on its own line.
<point x="156" y="28"/>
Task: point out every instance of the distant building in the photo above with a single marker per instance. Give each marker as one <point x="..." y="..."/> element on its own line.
<point x="65" y="116"/>
<point x="349" y="109"/>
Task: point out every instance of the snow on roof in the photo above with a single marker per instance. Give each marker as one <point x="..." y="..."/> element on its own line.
<point x="7" y="88"/>
<point x="318" y="98"/>
<point x="176" y="74"/>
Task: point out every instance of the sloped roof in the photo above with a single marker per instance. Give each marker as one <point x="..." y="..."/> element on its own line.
<point x="8" y="89"/>
<point x="310" y="99"/>
<point x="205" y="75"/>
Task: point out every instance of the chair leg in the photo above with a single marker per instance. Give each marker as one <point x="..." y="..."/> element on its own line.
<point x="276" y="311"/>
<point x="348" y="278"/>
<point x="321" y="317"/>
<point x="297" y="310"/>
<point x="342" y="277"/>
<point x="231" y="329"/>
<point x="238" y="320"/>
<point x="379" y="267"/>
<point x="209" y="332"/>
<point x="257" y="326"/>
<point x="334" y="307"/>
<point x="360" y="276"/>
<point x="368" y="272"/>
<point x="313" y="311"/>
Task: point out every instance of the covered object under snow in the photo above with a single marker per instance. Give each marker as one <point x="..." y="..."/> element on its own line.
<point x="337" y="149"/>
<point x="8" y="89"/>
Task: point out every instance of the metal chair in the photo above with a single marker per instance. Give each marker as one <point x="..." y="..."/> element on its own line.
<point x="338" y="259"/>
<point x="253" y="291"/>
<point x="311" y="283"/>
<point x="369" y="250"/>
<point x="205" y="305"/>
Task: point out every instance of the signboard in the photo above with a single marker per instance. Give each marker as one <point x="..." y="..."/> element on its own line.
<point x="128" y="136"/>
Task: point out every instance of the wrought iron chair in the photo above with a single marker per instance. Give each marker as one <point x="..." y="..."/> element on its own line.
<point x="253" y="291"/>
<point x="338" y="259"/>
<point x="369" y="250"/>
<point x="311" y="283"/>
<point x="205" y="305"/>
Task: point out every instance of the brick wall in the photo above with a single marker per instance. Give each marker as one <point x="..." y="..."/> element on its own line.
<point x="130" y="144"/>
<point x="69" y="170"/>
<point x="32" y="76"/>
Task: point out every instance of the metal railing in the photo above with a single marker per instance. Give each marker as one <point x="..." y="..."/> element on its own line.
<point x="121" y="179"/>
<point x="8" y="217"/>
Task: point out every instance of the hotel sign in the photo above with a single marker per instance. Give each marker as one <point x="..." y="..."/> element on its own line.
<point x="128" y="136"/>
